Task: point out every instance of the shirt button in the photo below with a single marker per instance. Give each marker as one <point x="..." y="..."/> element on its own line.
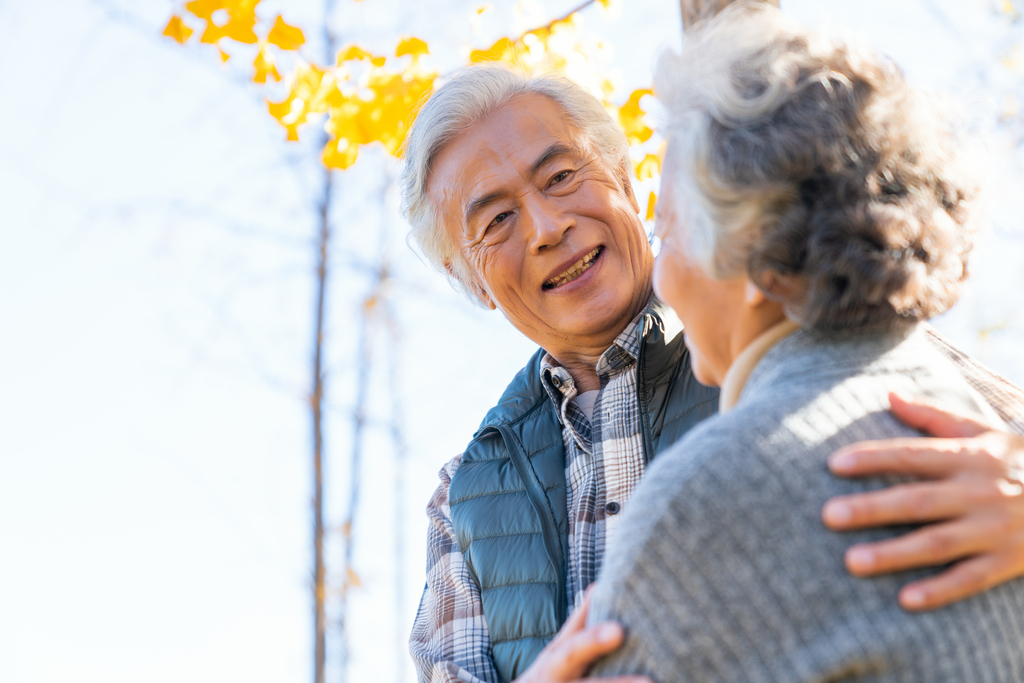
<point x="557" y="381"/>
<point x="612" y="508"/>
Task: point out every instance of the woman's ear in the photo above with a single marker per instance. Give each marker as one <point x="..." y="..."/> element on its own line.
<point x="753" y="295"/>
<point x="782" y="288"/>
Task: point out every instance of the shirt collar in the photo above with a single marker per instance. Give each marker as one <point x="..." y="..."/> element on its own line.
<point x="620" y="355"/>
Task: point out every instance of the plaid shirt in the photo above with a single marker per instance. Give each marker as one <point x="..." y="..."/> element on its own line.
<point x="604" y="462"/>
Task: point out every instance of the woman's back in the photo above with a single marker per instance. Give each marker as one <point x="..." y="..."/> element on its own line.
<point x="722" y="570"/>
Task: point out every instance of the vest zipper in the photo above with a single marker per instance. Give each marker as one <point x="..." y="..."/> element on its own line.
<point x="549" y="530"/>
<point x="645" y="430"/>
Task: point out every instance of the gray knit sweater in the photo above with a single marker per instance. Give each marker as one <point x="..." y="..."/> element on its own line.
<point x="722" y="570"/>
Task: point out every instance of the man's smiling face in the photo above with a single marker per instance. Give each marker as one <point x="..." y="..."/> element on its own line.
<point x="546" y="225"/>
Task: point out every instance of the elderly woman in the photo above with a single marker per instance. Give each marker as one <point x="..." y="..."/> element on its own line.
<point x="813" y="214"/>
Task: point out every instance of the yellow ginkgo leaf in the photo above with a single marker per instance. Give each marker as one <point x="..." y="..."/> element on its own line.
<point x="241" y="18"/>
<point x="651" y="201"/>
<point x="503" y="50"/>
<point x="264" y="66"/>
<point x="411" y="46"/>
<point x="240" y="28"/>
<point x="648" y="167"/>
<point x="352" y="52"/>
<point x="177" y="30"/>
<point x="631" y="118"/>
<point x="211" y="34"/>
<point x="311" y="88"/>
<point x="204" y="9"/>
<point x="284" y="36"/>
<point x="340" y="154"/>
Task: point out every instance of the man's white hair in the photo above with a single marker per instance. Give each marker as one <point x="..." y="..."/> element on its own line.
<point x="469" y="96"/>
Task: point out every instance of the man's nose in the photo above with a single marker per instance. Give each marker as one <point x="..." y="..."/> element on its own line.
<point x="546" y="222"/>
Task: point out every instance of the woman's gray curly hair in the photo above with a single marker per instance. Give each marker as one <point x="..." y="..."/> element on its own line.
<point x="468" y="96"/>
<point x="811" y="158"/>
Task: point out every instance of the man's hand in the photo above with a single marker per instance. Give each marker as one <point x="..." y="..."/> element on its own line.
<point x="970" y="492"/>
<point x="572" y="652"/>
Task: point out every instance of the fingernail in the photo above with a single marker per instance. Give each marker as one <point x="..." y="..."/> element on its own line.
<point x="913" y="597"/>
<point x="838" y="513"/>
<point x="842" y="461"/>
<point x="860" y="559"/>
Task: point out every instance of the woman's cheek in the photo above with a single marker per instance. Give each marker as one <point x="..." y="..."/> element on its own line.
<point x="666" y="279"/>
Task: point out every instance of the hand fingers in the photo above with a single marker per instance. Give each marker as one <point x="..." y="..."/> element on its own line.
<point x="914" y="503"/>
<point x="578" y="652"/>
<point x="927" y="547"/>
<point x="962" y="580"/>
<point x="919" y="457"/>
<point x="926" y="415"/>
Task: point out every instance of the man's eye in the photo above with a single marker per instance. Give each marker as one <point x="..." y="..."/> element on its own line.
<point x="559" y="177"/>
<point x="498" y="219"/>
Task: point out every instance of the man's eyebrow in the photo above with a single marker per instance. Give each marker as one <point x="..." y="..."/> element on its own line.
<point x="556" y="150"/>
<point x="478" y="205"/>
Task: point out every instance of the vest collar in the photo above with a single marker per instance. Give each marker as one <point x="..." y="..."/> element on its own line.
<point x="655" y="331"/>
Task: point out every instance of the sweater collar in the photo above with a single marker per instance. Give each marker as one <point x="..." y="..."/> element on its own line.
<point x="738" y="373"/>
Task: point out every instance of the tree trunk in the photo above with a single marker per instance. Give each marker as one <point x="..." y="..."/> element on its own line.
<point x="695" y="10"/>
<point x="316" y="403"/>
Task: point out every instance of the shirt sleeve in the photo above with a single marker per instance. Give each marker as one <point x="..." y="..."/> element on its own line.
<point x="1006" y="398"/>
<point x="449" y="640"/>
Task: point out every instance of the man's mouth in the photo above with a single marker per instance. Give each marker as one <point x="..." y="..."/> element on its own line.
<point x="574" y="271"/>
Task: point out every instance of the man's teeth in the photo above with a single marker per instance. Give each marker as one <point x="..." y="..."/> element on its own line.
<point x="575" y="270"/>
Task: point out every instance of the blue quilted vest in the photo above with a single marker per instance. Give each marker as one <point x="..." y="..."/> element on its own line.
<point x="508" y="497"/>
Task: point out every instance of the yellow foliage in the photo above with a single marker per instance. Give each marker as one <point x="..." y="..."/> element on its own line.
<point x="352" y="52"/>
<point x="339" y="154"/>
<point x="648" y="167"/>
<point x="631" y="118"/>
<point x="384" y="116"/>
<point x="651" y="201"/>
<point x="411" y="46"/>
<point x="378" y="104"/>
<point x="264" y="66"/>
<point x="204" y="9"/>
<point x="307" y="95"/>
<point x="177" y="30"/>
<point x="284" y="36"/>
<point x="503" y="50"/>
<point x="239" y="26"/>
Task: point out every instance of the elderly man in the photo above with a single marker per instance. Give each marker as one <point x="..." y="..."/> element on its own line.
<point x="518" y="187"/>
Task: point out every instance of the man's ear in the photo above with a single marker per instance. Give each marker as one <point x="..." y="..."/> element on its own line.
<point x="474" y="287"/>
<point x="627" y="186"/>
